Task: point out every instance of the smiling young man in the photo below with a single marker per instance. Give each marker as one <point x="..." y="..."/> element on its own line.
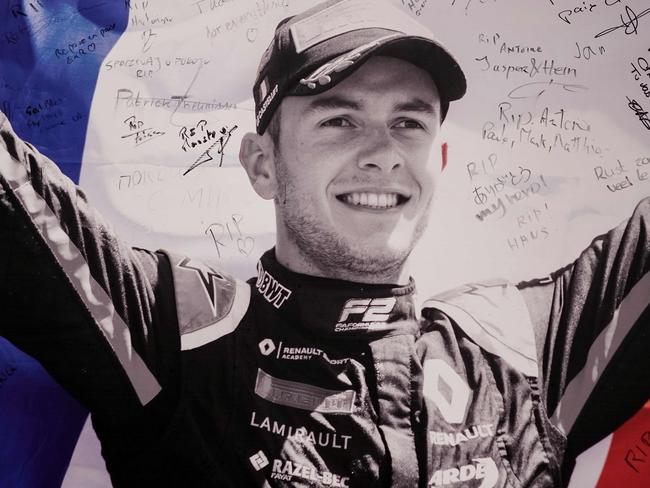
<point x="352" y="172"/>
<point x="320" y="371"/>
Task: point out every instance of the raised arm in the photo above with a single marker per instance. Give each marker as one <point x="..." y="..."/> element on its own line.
<point x="593" y="324"/>
<point x="76" y="298"/>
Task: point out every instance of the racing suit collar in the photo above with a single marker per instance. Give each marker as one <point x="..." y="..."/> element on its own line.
<point x="336" y="308"/>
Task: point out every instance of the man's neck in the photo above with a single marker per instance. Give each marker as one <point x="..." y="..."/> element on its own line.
<point x="298" y="263"/>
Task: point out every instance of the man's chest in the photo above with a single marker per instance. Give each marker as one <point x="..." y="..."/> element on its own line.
<point x="389" y="412"/>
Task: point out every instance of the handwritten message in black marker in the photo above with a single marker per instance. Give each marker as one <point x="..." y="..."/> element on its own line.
<point x="77" y="49"/>
<point x="45" y="114"/>
<point x="641" y="71"/>
<point x="639" y="111"/>
<point x="218" y="147"/>
<point x="196" y="136"/>
<point x="138" y="133"/>
<point x="229" y="233"/>
<point x="629" y="22"/>
<point x="141" y="14"/>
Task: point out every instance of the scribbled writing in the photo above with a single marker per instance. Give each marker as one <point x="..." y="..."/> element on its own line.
<point x="505" y="47"/>
<point x="532" y="227"/>
<point x="127" y="98"/>
<point x="229" y="233"/>
<point x="137" y="178"/>
<point x="531" y="68"/>
<point x="468" y="4"/>
<point x="536" y="89"/>
<point x="636" y="457"/>
<point x="621" y="176"/>
<point x="148" y="66"/>
<point x="588" y="52"/>
<point x="639" y="111"/>
<point x="547" y="130"/>
<point x="85" y="45"/>
<point x="48" y="113"/>
<point x="511" y="192"/>
<point x="262" y="8"/>
<point x="138" y="133"/>
<point x="217" y="146"/>
<point x="415" y="6"/>
<point x="641" y="71"/>
<point x="197" y="135"/>
<point x="629" y="21"/>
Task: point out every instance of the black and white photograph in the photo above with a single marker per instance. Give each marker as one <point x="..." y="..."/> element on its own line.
<point x="325" y="243"/>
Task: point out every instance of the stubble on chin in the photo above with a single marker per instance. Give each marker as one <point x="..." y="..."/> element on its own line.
<point x="331" y="254"/>
<point x="335" y="256"/>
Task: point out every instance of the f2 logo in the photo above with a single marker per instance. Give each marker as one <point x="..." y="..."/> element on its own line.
<point x="452" y="396"/>
<point x="373" y="309"/>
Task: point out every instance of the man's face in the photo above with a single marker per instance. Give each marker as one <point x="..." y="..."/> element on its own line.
<point x="355" y="171"/>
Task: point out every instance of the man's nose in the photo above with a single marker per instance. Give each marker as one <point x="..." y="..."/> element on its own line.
<point x="380" y="151"/>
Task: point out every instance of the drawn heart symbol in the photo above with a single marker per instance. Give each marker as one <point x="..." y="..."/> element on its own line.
<point x="246" y="245"/>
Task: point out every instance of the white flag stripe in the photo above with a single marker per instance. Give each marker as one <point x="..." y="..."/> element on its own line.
<point x="589" y="465"/>
<point x="91" y="293"/>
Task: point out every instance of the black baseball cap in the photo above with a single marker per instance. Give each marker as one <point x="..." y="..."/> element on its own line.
<point x="316" y="49"/>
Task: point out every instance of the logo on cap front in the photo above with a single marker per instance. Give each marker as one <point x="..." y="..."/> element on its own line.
<point x="322" y="74"/>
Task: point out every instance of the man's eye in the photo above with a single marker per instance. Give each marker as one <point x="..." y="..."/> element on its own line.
<point x="408" y="124"/>
<point x="336" y="122"/>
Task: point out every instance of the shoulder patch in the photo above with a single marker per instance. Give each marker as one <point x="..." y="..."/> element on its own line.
<point x="494" y="315"/>
<point x="209" y="302"/>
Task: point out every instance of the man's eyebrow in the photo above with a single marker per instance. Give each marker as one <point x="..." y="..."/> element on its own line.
<point x="335" y="102"/>
<point x="332" y="103"/>
<point x="416" y="105"/>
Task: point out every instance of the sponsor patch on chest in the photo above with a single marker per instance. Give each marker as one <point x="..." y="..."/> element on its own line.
<point x="302" y="395"/>
<point x="484" y="469"/>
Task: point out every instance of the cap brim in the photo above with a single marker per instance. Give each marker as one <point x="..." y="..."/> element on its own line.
<point x="420" y="51"/>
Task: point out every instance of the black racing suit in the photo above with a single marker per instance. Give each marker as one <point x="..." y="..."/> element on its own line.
<point x="194" y="378"/>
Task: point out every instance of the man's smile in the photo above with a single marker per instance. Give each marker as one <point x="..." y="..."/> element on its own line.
<point x="373" y="199"/>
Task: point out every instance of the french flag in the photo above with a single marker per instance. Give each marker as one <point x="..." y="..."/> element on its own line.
<point x="58" y="82"/>
<point x="50" y="57"/>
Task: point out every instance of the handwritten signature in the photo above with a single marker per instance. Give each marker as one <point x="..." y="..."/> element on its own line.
<point x="630" y="24"/>
<point x="639" y="111"/>
<point x="197" y="135"/>
<point x="230" y="229"/>
<point x="139" y="133"/>
<point x="221" y="143"/>
<point x="536" y="89"/>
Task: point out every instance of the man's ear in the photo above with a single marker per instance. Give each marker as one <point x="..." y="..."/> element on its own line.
<point x="256" y="155"/>
<point x="443" y="149"/>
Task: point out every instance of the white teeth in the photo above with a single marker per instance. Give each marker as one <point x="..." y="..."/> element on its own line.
<point x="371" y="200"/>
